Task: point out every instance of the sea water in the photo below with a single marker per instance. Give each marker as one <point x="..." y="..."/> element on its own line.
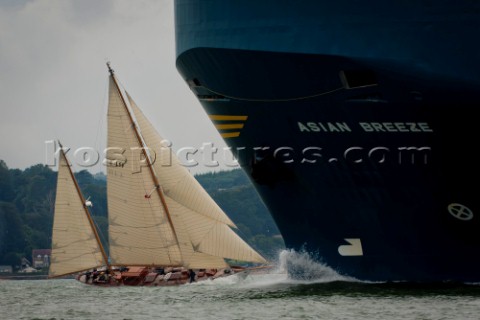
<point x="271" y="295"/>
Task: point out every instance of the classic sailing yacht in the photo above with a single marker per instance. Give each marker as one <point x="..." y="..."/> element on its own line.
<point x="163" y="226"/>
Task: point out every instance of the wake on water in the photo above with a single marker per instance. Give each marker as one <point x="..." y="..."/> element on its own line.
<point x="307" y="270"/>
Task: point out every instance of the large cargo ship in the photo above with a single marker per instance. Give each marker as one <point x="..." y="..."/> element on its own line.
<point x="355" y="121"/>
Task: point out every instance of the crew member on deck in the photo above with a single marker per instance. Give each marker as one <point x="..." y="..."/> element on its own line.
<point x="191" y="273"/>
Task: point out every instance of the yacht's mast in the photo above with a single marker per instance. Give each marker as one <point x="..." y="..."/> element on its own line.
<point x="141" y="143"/>
<point x="87" y="212"/>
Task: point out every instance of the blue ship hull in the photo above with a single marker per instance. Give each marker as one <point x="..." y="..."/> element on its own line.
<point x="355" y="123"/>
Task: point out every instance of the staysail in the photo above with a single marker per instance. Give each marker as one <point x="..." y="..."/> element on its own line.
<point x="75" y="246"/>
<point x="174" y="223"/>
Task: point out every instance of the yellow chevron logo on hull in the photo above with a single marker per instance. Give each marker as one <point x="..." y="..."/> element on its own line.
<point x="228" y="125"/>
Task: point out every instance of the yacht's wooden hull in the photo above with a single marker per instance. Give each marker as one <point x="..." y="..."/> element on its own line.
<point x="144" y="276"/>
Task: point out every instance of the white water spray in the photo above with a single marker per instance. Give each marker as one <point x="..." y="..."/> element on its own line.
<point x="303" y="267"/>
<point x="291" y="267"/>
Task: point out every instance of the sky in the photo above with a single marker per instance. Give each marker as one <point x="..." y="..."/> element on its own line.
<point x="53" y="77"/>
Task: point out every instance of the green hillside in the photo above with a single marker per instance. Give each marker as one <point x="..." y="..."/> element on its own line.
<point x="27" y="199"/>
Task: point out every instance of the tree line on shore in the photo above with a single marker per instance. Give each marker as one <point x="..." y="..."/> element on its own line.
<point x="27" y="201"/>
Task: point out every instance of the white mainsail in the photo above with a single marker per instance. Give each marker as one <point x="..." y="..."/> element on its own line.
<point x="176" y="181"/>
<point x="74" y="245"/>
<point x="190" y="205"/>
<point x="175" y="223"/>
<point x="139" y="230"/>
